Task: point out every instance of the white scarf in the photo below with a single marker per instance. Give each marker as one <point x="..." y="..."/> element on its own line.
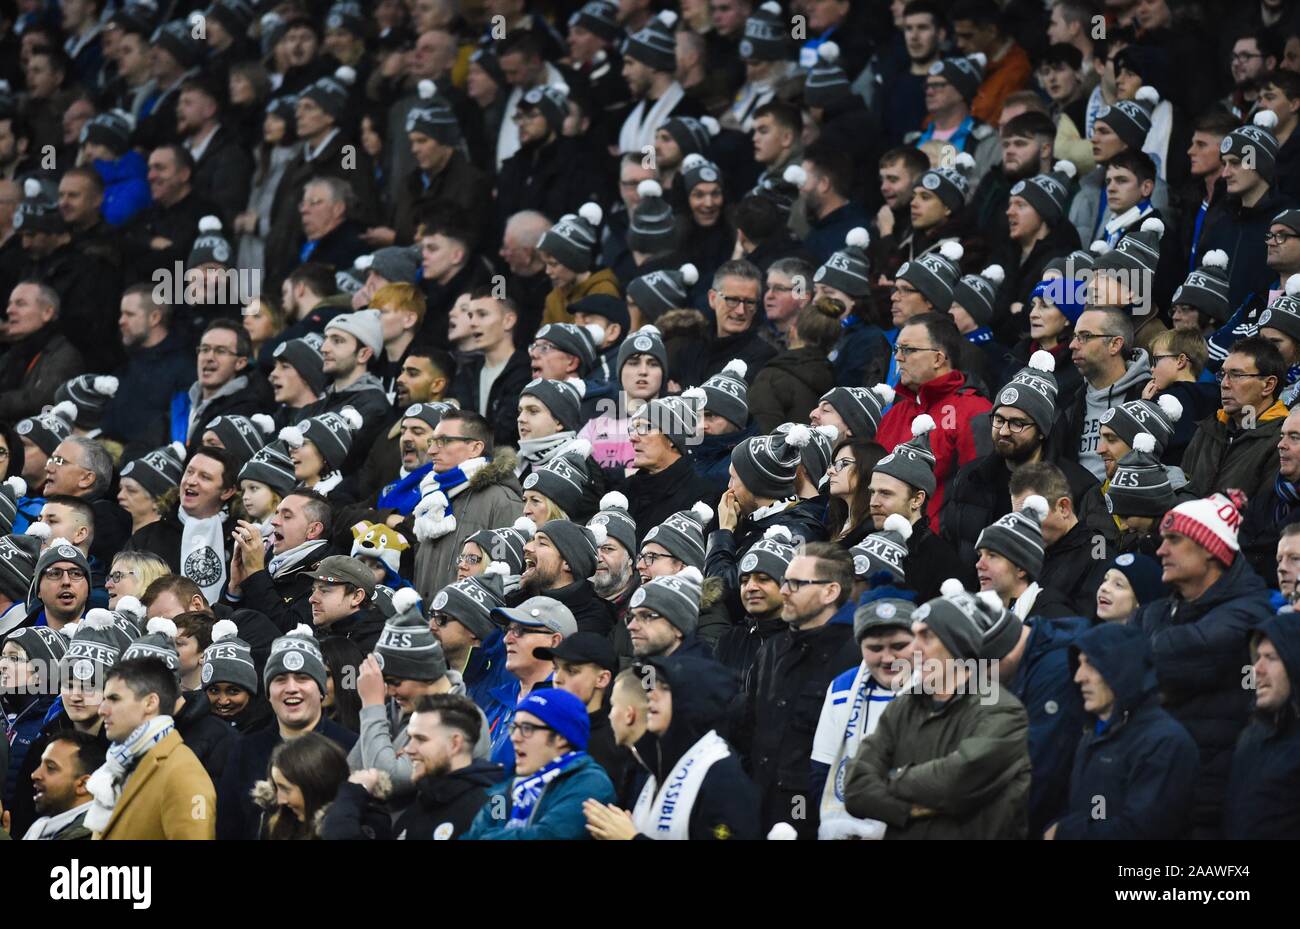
<point x="433" y="517"/>
<point x="105" y="785"/>
<point x="641" y="124"/>
<point x="864" y="712"/>
<point x="287" y="561"/>
<point x="203" y="552"/>
<point x="1025" y="602"/>
<point x="47" y="827"/>
<point x="776" y="506"/>
<point x="326" y="484"/>
<point x="537" y="452"/>
<point x="666" y="813"/>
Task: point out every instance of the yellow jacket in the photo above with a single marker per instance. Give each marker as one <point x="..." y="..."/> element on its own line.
<point x="167" y="796"/>
<point x="559" y="299"/>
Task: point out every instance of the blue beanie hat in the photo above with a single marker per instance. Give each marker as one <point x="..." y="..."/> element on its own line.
<point x="562" y="711"/>
<point x="1143" y="573"/>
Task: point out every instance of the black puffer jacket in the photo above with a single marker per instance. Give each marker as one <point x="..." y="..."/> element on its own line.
<point x="1075" y="566"/>
<point x="652" y="498"/>
<point x="1199" y="649"/>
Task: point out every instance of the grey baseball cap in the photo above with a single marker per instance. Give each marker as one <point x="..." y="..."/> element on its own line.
<point x="545" y="612"/>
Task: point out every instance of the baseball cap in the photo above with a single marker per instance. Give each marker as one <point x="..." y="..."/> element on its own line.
<point x="582" y="648"/>
<point x="344" y="569"/>
<point x="544" y="612"/>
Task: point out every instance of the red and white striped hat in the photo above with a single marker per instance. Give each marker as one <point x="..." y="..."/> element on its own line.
<point x="1211" y="522"/>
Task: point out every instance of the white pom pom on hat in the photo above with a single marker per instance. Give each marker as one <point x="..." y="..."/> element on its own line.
<point x="100" y="618"/>
<point x="858" y="237"/>
<point x="592" y="213"/>
<point x="161" y="625"/>
<point x="702" y="512"/>
<point x="524" y="525"/>
<point x="224" y="629"/>
<point x="1293" y="285"/>
<point x="1215" y="258"/>
<point x="209" y="224"/>
<point x="1144" y="442"/>
<point x="980" y="59"/>
<point x="263" y="422"/>
<point x="884" y="393"/>
<point x="1066" y="167"/>
<point x="779" y="534"/>
<point x="735" y="366"/>
<point x="897" y="522"/>
<point x="1035" y="503"/>
<point x="796" y="175"/>
<point x="922" y="424"/>
<point x="799" y="436"/>
<point x="350" y="416"/>
<point x="994" y="274"/>
<point x="38" y="530"/>
<point x="347" y="75"/>
<point x="1153" y="224"/>
<point x="17" y="485"/>
<point x="105" y="385"/>
<point x="828" y="52"/>
<point x="952" y="250"/>
<point x="649" y="188"/>
<point x="963" y="162"/>
<point x="690" y="274"/>
<point x="951" y="587"/>
<point x="1148" y="94"/>
<point x="691" y="573"/>
<point x="1042" y="361"/>
<point x="1265" y="119"/>
<point x="32" y="187"/>
<point x="614" y="501"/>
<point x="1172" y="406"/>
<point x="405" y="599"/>
<point x="131" y="606"/>
<point x="427" y="89"/>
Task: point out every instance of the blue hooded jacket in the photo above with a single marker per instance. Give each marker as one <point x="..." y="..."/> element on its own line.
<point x="1141" y="763"/>
<point x="126" y="187"/>
<point x="559" y="809"/>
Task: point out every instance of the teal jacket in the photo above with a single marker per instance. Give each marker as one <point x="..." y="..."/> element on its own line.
<point x="559" y="810"/>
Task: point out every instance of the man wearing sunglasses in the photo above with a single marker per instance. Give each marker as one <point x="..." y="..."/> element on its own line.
<point x="538" y="622"/>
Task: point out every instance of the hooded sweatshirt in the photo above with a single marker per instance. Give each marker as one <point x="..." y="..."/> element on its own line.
<point x="1097" y="400"/>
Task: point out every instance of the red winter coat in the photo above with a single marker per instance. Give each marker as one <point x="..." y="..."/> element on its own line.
<point x="961" y="434"/>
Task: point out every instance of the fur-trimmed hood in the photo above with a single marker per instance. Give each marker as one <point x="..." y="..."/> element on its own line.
<point x="710" y="592"/>
<point x="500" y="470"/>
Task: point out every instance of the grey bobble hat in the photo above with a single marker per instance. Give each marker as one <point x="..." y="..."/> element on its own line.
<point x="428" y="413"/>
<point x="97" y="645"/>
<point x="582" y="342"/>
<point x="647" y="340"/>
<point x="849" y="269"/>
<point x="912" y="462"/>
<point x="297" y="652"/>
<point x="303" y="355"/>
<point x="883" y="551"/>
<point x="562" y="398"/>
<point x="39" y="210"/>
<point x="18" y="554"/>
<point x="682" y="534"/>
<point x="677" y="418"/>
<point x="660" y="291"/>
<point x="935" y="274"/>
<point x="90" y="393"/>
<point x="965" y="74"/>
<point x="47" y="430"/>
<point x="697" y="170"/>
<point x="860" y="407"/>
<point x="470" y="602"/>
<point x="1283" y="313"/>
<point x="1289" y="218"/>
<point x="407" y="649"/>
<point x="768" y="464"/>
<point x="617" y="520"/>
<point x="766" y="36"/>
<point x="158" y="641"/>
<point x="330" y="432"/>
<point x="332" y="93"/>
<point x="1206" y="288"/>
<point x="43" y="644"/>
<point x="770" y="555"/>
<point x="506" y="545"/>
<point x="551" y="101"/>
<point x="970" y="625"/>
<point x="572" y="241"/>
<point x="1033" y="390"/>
<point x="1018" y="536"/>
<point x="652" y="228"/>
<point x="1137" y="253"/>
<point x="58" y="550"/>
<point x="978" y="292"/>
<point x="816" y="456"/>
<point x="693" y="136"/>
<point x="1131" y="119"/>
<point x="11" y="490"/>
<point x="878" y="616"/>
<point x="176" y="39"/>
<point x="826" y="84"/>
<point x="1140" y="485"/>
<point x="112" y="129"/>
<point x="600" y="18"/>
<point x="576" y="544"/>
<point x="397" y="264"/>
<point x="1157" y="417"/>
<point x="229" y="659"/>
<point x="675" y="597"/>
<point x="1255" y="144"/>
<point x="563" y="480"/>
<point x="242" y="436"/>
<point x="210" y="247"/>
<point x="726" y="394"/>
<point x="157" y="471"/>
<point x="950" y="183"/>
<point x="272" y="466"/>
<point x="654" y="45"/>
<point x="1048" y="194"/>
<point x="433" y="116"/>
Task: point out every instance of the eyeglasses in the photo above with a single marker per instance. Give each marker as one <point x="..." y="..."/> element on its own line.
<point x="1244" y="56"/>
<point x="118" y="576"/>
<point x="516" y="631"/>
<point x="1231" y="377"/>
<point x="641" y="617"/>
<point x="441" y="619"/>
<point x="540" y="347"/>
<point x="733" y="302"/>
<point x="1016" y="426"/>
<point x="59" y="461"/>
<point x="841" y="464"/>
<point x="526" y="730"/>
<point x="1086" y="337"/>
<point x="642" y="427"/>
<point x="796" y="583"/>
<point x="1156" y="359"/>
<point x="72" y="574"/>
<point x="779" y="289"/>
<point x="907" y="351"/>
<point x="1278" y="238"/>
<point x="649" y="558"/>
<point x="469" y="561"/>
<point x="219" y="350"/>
<point x="442" y="441"/>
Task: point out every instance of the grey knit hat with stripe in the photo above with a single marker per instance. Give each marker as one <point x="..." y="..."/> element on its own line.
<point x="654" y="45"/>
<point x="272" y="466"/>
<point x="1206" y="288"/>
<point x="682" y="534"/>
<point x="978" y="292"/>
<point x="563" y="480"/>
<point x="849" y="269"/>
<point x="1018" y="536"/>
<point x="660" y="291"/>
<point x="97" y="645"/>
<point x="647" y="340"/>
<point x="697" y="170"/>
<point x="950" y="183"/>
<point x="582" y="342"/>
<point x="211" y="247"/>
<point x="332" y="93"/>
<point x="229" y="659"/>
<point x="42" y="644"/>
<point x="1137" y="253"/>
<point x="46" y="430"/>
<point x="303" y="355"/>
<point x="551" y="101"/>
<point x="816" y="455"/>
<point x="1255" y="144"/>
<point x="726" y="394"/>
<point x="912" y="462"/>
<point x="766" y="36"/>
<point x="576" y="544"/>
<point x="562" y="398"/>
<point x="297" y="652"/>
<point x="1033" y="391"/>
<point x="407" y="649"/>
<point x="506" y="544"/>
<point x="158" y="641"/>
<point x="970" y="625"/>
<point x="57" y="550"/>
<point x="826" y="84"/>
<point x="572" y="240"/>
<point x="158" y="471"/>
<point x="11" y="490"/>
<point x="1131" y="119"/>
<point x="90" y="393"/>
<point x="677" y="418"/>
<point x="1283" y="314"/>
<point x="935" y="274"/>
<point x="652" y="228"/>
<point x="767" y="464"/>
<point x="770" y="555"/>
<point x="1048" y="194"/>
<point x="1158" y="417"/>
<point x="692" y="135"/>
<point x="470" y="602"/>
<point x="428" y="413"/>
<point x="617" y="520"/>
<point x="18" y="554"/>
<point x="883" y="551"/>
<point x="877" y="616"/>
<point x="1140" y="485"/>
<point x="860" y="407"/>
<point x="242" y="436"/>
<point x="675" y="597"/>
<point x="330" y="432"/>
<point x="39" y="209"/>
<point x="964" y="74"/>
<point x="598" y="17"/>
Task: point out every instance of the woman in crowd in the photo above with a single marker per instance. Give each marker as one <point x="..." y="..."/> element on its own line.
<point x="304" y="776"/>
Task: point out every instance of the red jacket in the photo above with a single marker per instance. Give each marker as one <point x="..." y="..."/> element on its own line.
<point x="961" y="433"/>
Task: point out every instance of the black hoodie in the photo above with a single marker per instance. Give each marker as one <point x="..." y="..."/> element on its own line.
<point x="443" y="807"/>
<point x="727" y="806"/>
<point x="1142" y="762"/>
<point x="1262" y="801"/>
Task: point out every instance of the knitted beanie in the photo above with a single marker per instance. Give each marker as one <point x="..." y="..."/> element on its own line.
<point x="652" y="228"/>
<point x="296" y="652"/>
<point x="470" y="602"/>
<point x="272" y="466"/>
<point x="970" y="625"/>
<point x="97" y="644"/>
<point x="1157" y="417"/>
<point x="1137" y="253"/>
<point x="1033" y="391"/>
<point x="113" y="130"/>
<point x="645" y="341"/>
<point x="46" y="430"/>
<point x="332" y="93"/>
<point x="1131" y="119"/>
<point x="506" y="545"/>
<point x="912" y="462"/>
<point x="1048" y="194"/>
<point x="433" y="116"/>
<point x="964" y="74"/>
<point x="1211" y="522"/>
<point x="1283" y="314"/>
<point x="39" y="210"/>
<point x="1018" y="536"/>
<point x="826" y="84"/>
<point x="90" y="393"/>
<point x="1140" y="485"/>
<point x="875" y="616"/>
<point x="682" y="534"/>
<point x="396" y="264"/>
<point x="407" y="649"/>
<point x="582" y="342"/>
<point x="563" y="480"/>
<point x="1206" y="288"/>
<point x="950" y="183"/>
<point x="816" y="455"/>
<point x="727" y="395"/>
<point x="697" y="170"/>
<point x="861" y="408"/>
<point x="158" y="471"/>
<point x="210" y="247"/>
<point x="551" y="101"/>
<point x="675" y="597"/>
<point x="935" y="274"/>
<point x="693" y="136"/>
<point x="849" y="269"/>
<point x="366" y="326"/>
<point x="11" y="490"/>
<point x="159" y="641"/>
<point x="229" y="659"/>
<point x="330" y="432"/>
<point x="242" y="436"/>
<point x="600" y="18"/>
<point x="767" y="35"/>
<point x="177" y="39"/>
<point x="883" y="551"/>
<point x="660" y="291"/>
<point x="562" y="398"/>
<point x="654" y="45"/>
<point x="677" y="418"/>
<point x="576" y="544"/>
<point x="18" y="554"/>
<point x="1255" y="144"/>
<point x="767" y="464"/>
<point x="616" y="519"/>
<point x="303" y="355"/>
<point x="977" y="293"/>
<point x="770" y="555"/>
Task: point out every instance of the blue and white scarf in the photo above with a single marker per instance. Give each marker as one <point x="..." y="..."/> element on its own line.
<point x="527" y="791"/>
<point x="1288" y="498"/>
<point x="433" y="516"/>
<point x="403" y="494"/>
<point x="105" y="785"/>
